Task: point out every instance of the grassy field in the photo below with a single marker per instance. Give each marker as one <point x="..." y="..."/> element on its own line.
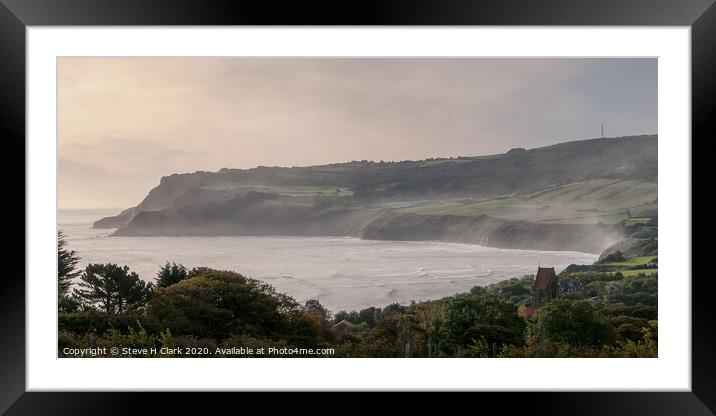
<point x="590" y="202"/>
<point x="637" y="261"/>
<point x="286" y="190"/>
<point x="456" y="160"/>
<point x="634" y="273"/>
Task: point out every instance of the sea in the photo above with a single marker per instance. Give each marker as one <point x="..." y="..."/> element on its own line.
<point x="343" y="273"/>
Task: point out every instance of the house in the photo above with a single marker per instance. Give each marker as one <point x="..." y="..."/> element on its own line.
<point x="546" y="286"/>
<point x="341" y="327"/>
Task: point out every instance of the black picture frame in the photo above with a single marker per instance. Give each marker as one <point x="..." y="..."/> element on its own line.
<point x="16" y="15"/>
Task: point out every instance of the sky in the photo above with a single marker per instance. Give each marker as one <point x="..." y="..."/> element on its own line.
<point x="123" y="123"/>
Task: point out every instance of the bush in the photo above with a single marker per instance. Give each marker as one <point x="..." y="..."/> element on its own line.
<point x="92" y="321"/>
<point x="623" y="319"/>
<point x="571" y="296"/>
<point x="640" y="284"/>
<point x="492" y="334"/>
<point x="648" y="313"/>
<point x="646" y="348"/>
<point x="630" y="328"/>
<point x="589" y="277"/>
<point x="630" y="332"/>
<point x="576" y="323"/>
<point x="463" y="315"/>
<point x="615" y="257"/>
<point x="220" y="304"/>
<point x="550" y="349"/>
<point x="371" y="346"/>
<point x="631" y="299"/>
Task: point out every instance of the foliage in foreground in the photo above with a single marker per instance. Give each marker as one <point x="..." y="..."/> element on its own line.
<point x="213" y="308"/>
<point x="600" y="314"/>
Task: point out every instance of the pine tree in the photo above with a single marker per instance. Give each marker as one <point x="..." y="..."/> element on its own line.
<point x="112" y="289"/>
<point x="66" y="262"/>
<point x="170" y="274"/>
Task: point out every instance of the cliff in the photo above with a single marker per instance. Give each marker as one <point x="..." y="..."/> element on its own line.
<point x="568" y="196"/>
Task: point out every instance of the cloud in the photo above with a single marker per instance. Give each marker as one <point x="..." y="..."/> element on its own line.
<point x="156" y="116"/>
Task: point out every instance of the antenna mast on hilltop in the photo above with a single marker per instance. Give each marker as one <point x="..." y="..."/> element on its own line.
<point x="602" y="130"/>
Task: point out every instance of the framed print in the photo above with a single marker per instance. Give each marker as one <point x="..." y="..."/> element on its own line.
<point x="412" y="197"/>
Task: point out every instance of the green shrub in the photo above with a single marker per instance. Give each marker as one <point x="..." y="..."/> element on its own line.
<point x="632" y="299"/>
<point x="576" y="323"/>
<point x="466" y="314"/>
<point x="638" y="311"/>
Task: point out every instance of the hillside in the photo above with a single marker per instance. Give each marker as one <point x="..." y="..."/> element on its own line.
<point x="569" y="196"/>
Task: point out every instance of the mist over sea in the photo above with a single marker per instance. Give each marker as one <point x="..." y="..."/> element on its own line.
<point x="343" y="273"/>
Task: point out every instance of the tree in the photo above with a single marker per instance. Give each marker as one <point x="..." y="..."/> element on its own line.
<point x="406" y="324"/>
<point x="426" y="316"/>
<point x="218" y="304"/>
<point x="574" y="322"/>
<point x="170" y="274"/>
<point x="66" y="262"/>
<point x="341" y="315"/>
<point x="369" y="316"/>
<point x="315" y="310"/>
<point x="391" y="310"/>
<point x="199" y="271"/>
<point x="466" y="318"/>
<point x="112" y="289"/>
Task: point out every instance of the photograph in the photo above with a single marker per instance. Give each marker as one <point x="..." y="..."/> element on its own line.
<point x="357" y="207"/>
<point x="224" y="200"/>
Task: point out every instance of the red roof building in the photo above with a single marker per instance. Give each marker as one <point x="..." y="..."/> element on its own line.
<point x="341" y="326"/>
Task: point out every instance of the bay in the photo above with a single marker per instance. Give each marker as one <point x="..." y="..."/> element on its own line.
<point x="342" y="273"/>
